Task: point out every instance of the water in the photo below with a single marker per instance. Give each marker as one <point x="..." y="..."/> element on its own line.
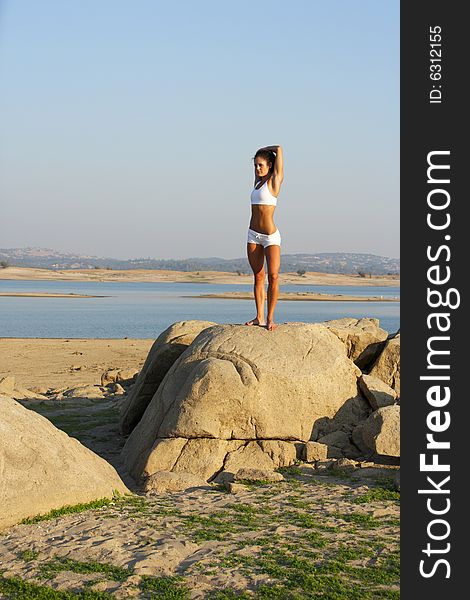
<point x="144" y="310"/>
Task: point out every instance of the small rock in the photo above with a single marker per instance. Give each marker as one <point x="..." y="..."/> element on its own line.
<point x="377" y="392"/>
<point x="39" y="389"/>
<point x="323" y="465"/>
<point x="258" y="475"/>
<point x="109" y="376"/>
<point x="381" y="431"/>
<point x="343" y="464"/>
<point x="84" y="391"/>
<point x="313" y="451"/>
<point x="127" y="376"/>
<point x="115" y="388"/>
<point x="22" y="393"/>
<point x="234" y="488"/>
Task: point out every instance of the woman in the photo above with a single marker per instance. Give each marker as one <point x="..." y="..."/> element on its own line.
<point x="264" y="239"/>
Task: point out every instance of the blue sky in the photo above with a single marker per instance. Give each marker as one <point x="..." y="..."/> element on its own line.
<point x="128" y="128"/>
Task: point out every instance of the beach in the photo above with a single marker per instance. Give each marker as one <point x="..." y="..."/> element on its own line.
<point x="215" y="277"/>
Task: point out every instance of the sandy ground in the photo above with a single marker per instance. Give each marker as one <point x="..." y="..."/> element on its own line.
<point x="68" y="362"/>
<point x="215" y="277"/>
<point x="301" y="296"/>
<point x="316" y="534"/>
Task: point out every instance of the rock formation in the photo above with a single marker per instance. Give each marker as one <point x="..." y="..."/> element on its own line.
<point x="387" y="365"/>
<point x="242" y="397"/>
<point x="42" y="468"/>
<point x="169" y="345"/>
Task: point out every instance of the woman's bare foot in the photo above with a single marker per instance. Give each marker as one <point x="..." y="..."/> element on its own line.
<point x="270" y="325"/>
<point x="255" y="321"/>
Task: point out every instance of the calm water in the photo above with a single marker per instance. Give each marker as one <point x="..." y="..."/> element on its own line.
<point x="144" y="310"/>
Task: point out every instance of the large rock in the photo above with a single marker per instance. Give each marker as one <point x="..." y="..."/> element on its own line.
<point x="387" y="366"/>
<point x="363" y="338"/>
<point x="169" y="345"/>
<point x="381" y="432"/>
<point x="236" y="384"/>
<point x="377" y="392"/>
<point x="42" y="468"/>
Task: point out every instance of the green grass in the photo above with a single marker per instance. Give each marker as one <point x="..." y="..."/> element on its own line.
<point x="14" y="587"/>
<point x="361" y="520"/>
<point x="170" y="588"/>
<point x="58" y="564"/>
<point x="69" y="509"/>
<point x="380" y="494"/>
<point x="28" y="555"/>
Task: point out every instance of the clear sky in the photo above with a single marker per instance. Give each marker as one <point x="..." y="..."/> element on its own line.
<point x="128" y="128"/>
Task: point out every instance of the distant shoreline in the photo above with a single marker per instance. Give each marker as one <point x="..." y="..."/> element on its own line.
<point x="46" y="295"/>
<point x="302" y="296"/>
<point x="211" y="277"/>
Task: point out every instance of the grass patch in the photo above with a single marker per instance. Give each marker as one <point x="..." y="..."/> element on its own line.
<point x="379" y="494"/>
<point x="28" y="555"/>
<point x="14" y="587"/>
<point x="60" y="564"/>
<point x="70" y="509"/>
<point x="362" y="520"/>
<point x="170" y="588"/>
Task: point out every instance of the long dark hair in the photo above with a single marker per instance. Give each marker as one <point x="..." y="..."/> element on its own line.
<point x="268" y="156"/>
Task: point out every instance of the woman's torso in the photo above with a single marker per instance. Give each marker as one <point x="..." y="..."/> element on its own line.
<point x="262" y="215"/>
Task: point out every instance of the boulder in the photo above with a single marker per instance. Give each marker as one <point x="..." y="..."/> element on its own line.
<point x="381" y="432"/>
<point x="314" y="451"/>
<point x="354" y="411"/>
<point x="165" y="481"/>
<point x="387" y="365"/>
<point x="122" y="376"/>
<point x="42" y="468"/>
<point x="258" y="475"/>
<point x="376" y="391"/>
<point x="363" y="338"/>
<point x="169" y="345"/>
<point x="85" y="391"/>
<point x="235" y="389"/>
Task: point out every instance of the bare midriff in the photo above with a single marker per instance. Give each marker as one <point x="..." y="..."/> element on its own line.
<point x="262" y="218"/>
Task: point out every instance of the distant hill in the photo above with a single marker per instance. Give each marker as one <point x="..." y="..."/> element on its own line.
<point x="326" y="262"/>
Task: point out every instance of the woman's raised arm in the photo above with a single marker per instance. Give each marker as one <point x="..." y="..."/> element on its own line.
<point x="278" y="167"/>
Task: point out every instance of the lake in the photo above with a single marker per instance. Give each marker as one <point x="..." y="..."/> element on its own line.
<point x="144" y="310"/>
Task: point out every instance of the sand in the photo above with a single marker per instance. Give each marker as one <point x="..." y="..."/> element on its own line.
<point x="308" y="296"/>
<point x="276" y="535"/>
<point x="214" y="277"/>
<point x="68" y="362"/>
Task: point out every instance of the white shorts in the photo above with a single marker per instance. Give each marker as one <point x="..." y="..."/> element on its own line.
<point x="254" y="237"/>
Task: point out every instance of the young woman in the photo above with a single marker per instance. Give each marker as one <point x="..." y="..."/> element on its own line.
<point x="264" y="238"/>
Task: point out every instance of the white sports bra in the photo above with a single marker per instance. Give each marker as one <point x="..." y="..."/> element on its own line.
<point x="263" y="195"/>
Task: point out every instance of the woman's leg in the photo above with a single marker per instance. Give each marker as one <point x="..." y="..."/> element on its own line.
<point x="256" y="260"/>
<point x="273" y="259"/>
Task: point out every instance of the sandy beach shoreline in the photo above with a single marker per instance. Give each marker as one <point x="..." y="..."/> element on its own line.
<point x="305" y="296"/>
<point x="213" y="277"/>
<point x="209" y="538"/>
<point x="46" y="295"/>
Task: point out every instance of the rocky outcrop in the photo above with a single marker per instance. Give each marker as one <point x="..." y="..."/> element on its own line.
<point x="387" y="366"/>
<point x="242" y="397"/>
<point x="380" y="433"/>
<point x="166" y="349"/>
<point x="8" y="387"/>
<point x="377" y="392"/>
<point x="42" y="468"/>
<point x="364" y="338"/>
